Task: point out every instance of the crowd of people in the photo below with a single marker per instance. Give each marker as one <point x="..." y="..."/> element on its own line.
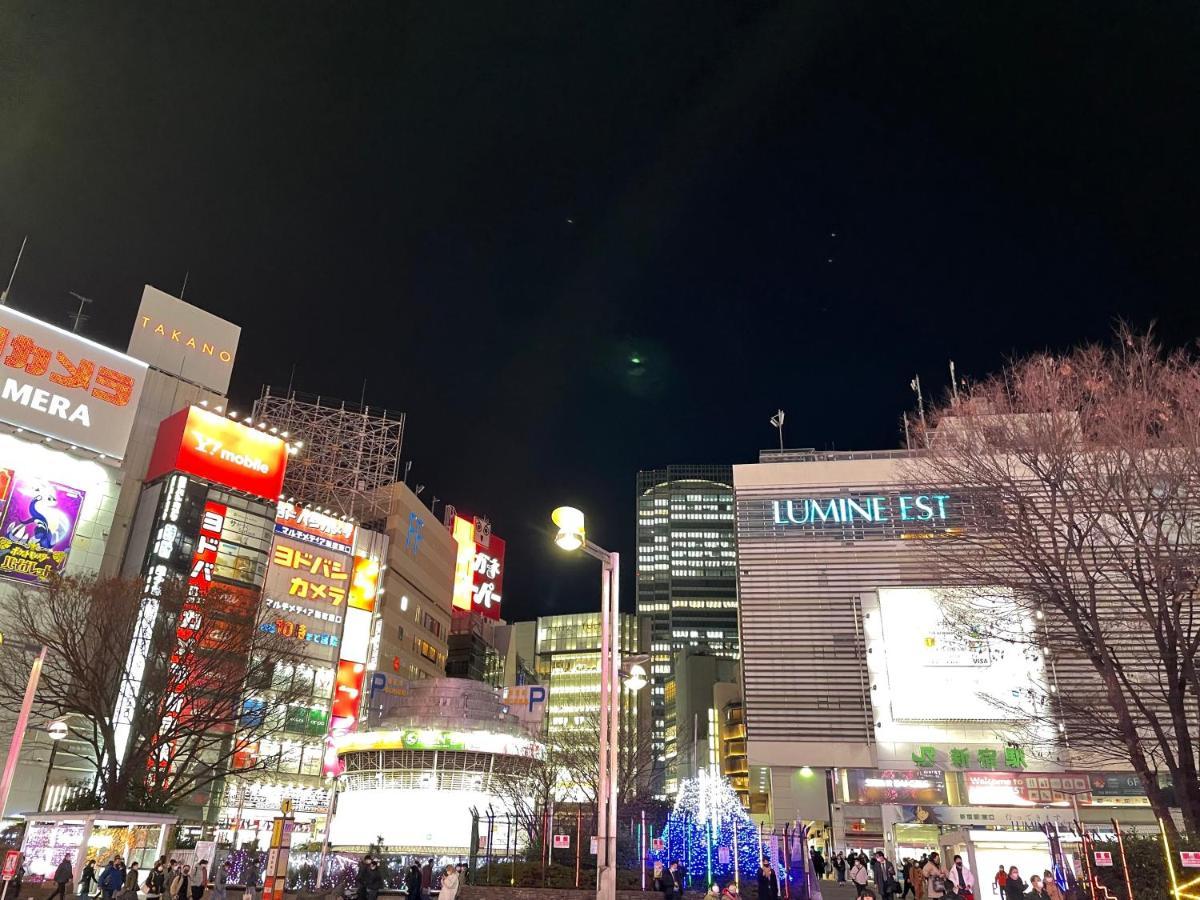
<point x="928" y="878"/>
<point x="167" y="879"/>
<point x="418" y="879"/>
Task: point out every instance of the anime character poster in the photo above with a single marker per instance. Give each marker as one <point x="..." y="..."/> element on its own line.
<point x="39" y="525"/>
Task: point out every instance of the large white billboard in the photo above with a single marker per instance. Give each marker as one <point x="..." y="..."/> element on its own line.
<point x="938" y="670"/>
<point x="184" y="340"/>
<point x="61" y="385"/>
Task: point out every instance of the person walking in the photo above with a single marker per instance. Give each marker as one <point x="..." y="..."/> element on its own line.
<point x="1037" y="890"/>
<point x="449" y="889"/>
<point x="934" y="877"/>
<point x="858" y="878"/>
<point x="412" y="882"/>
<point x="200" y="880"/>
<point x="1014" y="885"/>
<point x="88" y="879"/>
<point x="156" y="882"/>
<point x="676" y="879"/>
<point x="132" y="880"/>
<point x="768" y="882"/>
<point x="660" y="881"/>
<point x="111" y="879"/>
<point x="62" y="877"/>
<point x="884" y="873"/>
<point x="219" y="880"/>
<point x="250" y="876"/>
<point x="1053" y="891"/>
<point x="181" y="884"/>
<point x="960" y="876"/>
<point x="839" y="866"/>
<point x="426" y="879"/>
<point x="731" y="892"/>
<point x="1001" y="878"/>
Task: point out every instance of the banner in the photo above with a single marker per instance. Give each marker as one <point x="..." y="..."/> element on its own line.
<point x="39" y="524"/>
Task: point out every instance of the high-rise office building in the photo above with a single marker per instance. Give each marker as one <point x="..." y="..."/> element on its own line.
<point x="686" y="579"/>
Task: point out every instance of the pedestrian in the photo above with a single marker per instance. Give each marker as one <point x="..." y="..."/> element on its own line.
<point x="132" y="876"/>
<point x="934" y="877"/>
<point x="111" y="879"/>
<point x="412" y="882"/>
<point x="1014" y="885"/>
<point x="1036" y="890"/>
<point x="181" y="885"/>
<point x="450" y="883"/>
<point x="1053" y="891"/>
<point x="250" y="876"/>
<point x="839" y="866"/>
<point x="200" y="880"/>
<point x="219" y="879"/>
<point x="156" y="881"/>
<point x="88" y="878"/>
<point x="960" y="876"/>
<point x="426" y="879"/>
<point x="858" y="878"/>
<point x="731" y="892"/>
<point x="884" y="873"/>
<point x="818" y="862"/>
<point x="768" y="882"/>
<point x="375" y="879"/>
<point x="676" y="879"/>
<point x="1001" y="878"/>
<point x="62" y="877"/>
<point x="661" y="881"/>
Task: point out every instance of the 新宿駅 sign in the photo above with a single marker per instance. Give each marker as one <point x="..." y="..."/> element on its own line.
<point x="63" y="386"/>
<point x="914" y="508"/>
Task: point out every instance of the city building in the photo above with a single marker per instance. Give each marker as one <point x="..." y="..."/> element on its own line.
<point x="435" y="749"/>
<point x="699" y="687"/>
<point x="686" y="580"/>
<point x="865" y="712"/>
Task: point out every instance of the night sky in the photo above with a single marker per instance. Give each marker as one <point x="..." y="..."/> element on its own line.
<point x="489" y="211"/>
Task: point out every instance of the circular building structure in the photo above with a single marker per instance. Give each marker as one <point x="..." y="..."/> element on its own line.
<point x="440" y="748"/>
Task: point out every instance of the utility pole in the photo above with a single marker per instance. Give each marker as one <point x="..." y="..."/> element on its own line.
<point x="4" y="293"/>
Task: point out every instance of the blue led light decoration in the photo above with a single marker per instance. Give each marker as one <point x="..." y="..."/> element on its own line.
<point x="706" y="831"/>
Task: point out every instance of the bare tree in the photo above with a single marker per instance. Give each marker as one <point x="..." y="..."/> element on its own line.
<point x="204" y="696"/>
<point x="1079" y="477"/>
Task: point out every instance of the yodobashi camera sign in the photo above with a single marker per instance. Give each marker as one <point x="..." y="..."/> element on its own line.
<point x="184" y="340"/>
<point x="63" y="386"/>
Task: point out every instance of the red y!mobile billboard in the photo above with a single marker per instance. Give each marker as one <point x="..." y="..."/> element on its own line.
<point x="220" y="450"/>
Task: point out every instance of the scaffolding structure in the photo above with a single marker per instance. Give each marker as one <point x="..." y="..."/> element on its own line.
<point x="349" y="452"/>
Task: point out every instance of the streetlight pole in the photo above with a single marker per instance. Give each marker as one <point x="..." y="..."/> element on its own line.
<point x="14" y="747"/>
<point x="56" y="732"/>
<point x="572" y="536"/>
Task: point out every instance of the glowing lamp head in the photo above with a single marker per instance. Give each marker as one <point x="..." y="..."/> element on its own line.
<point x="637" y="678"/>
<point x="571" y="533"/>
<point x="806" y="772"/>
<point x="57" y="730"/>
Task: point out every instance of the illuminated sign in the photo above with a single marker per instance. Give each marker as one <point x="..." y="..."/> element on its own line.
<point x="184" y="340"/>
<point x="914" y="508"/>
<point x="39" y="519"/>
<point x="297" y="610"/>
<point x="300" y="632"/>
<point x="310" y="574"/>
<point x="58" y="384"/>
<point x="872" y="786"/>
<point x="437" y="739"/>
<point x="303" y="524"/>
<point x="219" y="450"/>
<point x="478" y="568"/>
<point x="1027" y="788"/>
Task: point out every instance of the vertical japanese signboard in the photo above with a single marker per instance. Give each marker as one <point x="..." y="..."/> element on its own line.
<point x="478" y="568"/>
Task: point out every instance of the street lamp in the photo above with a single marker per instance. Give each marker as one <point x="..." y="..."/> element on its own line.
<point x="572" y="536"/>
<point x="56" y="731"/>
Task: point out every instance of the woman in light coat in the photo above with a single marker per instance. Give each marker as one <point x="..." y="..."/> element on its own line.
<point x="449" y="884"/>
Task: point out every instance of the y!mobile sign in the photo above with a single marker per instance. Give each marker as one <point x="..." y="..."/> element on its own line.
<point x="63" y="386"/>
<point x="219" y="450"/>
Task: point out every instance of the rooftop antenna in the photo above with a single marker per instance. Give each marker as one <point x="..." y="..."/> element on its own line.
<point x="20" y="253"/>
<point x="407" y="466"/>
<point x="183" y="290"/>
<point x="953" y="383"/>
<point x="907" y="435"/>
<point x="915" y="384"/>
<point x="79" y="318"/>
<point x="777" y="421"/>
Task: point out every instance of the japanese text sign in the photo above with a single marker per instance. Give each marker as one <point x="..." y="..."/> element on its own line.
<point x="478" y="570"/>
<point x="304" y="524"/>
<point x="39" y="519"/>
<point x="64" y="386"/>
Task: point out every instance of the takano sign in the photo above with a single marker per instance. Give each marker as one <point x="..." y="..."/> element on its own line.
<point x="184" y="340"/>
<point x="60" y="385"/>
<point x="209" y="446"/>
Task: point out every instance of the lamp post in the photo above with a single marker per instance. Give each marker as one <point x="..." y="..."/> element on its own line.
<point x="572" y="536"/>
<point x="18" y="735"/>
<point x="56" y="731"/>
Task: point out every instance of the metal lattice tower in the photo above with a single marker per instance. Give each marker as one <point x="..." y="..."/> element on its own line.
<point x="348" y="451"/>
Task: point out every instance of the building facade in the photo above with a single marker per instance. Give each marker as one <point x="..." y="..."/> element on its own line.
<point x="864" y="709"/>
<point x="686" y="581"/>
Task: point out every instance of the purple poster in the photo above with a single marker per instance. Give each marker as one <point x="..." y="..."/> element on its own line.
<point x="39" y="525"/>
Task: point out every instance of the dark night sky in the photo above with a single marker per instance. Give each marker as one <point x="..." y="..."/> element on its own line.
<point x="487" y="210"/>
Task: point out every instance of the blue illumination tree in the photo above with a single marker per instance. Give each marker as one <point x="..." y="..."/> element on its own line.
<point x="708" y="830"/>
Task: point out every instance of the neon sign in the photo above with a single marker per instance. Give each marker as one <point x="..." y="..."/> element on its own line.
<point x="861" y="508"/>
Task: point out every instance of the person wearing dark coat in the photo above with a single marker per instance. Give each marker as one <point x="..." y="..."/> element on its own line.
<point x="412" y="882"/>
<point x="62" y="877"/>
<point x="1014" y="885"/>
<point x="884" y="874"/>
<point x="111" y="880"/>
<point x="768" y="882"/>
<point x="87" y="879"/>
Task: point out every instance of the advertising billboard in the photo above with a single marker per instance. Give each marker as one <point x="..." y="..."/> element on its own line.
<point x="978" y="679"/>
<point x="63" y="386"/>
<point x="38" y="526"/>
<point x="875" y="786"/>
<point x="184" y="340"/>
<point x="478" y="568"/>
<point x="1027" y="788"/>
<point x="304" y="596"/>
<point x="304" y="524"/>
<point x="219" y="450"/>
